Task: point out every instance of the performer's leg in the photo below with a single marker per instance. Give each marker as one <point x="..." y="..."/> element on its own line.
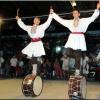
<point x="78" y="55"/>
<point x="21" y="55"/>
<point x="39" y="62"/>
<point x="34" y="65"/>
<point x="74" y="54"/>
<point x="68" y="52"/>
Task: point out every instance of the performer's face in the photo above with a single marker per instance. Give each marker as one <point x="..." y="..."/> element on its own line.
<point x="36" y="21"/>
<point x="76" y="14"/>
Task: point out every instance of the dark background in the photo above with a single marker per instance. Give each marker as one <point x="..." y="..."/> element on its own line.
<point x="38" y="8"/>
<point x="13" y="36"/>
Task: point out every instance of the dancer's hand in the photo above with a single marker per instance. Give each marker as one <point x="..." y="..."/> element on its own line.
<point x="17" y="17"/>
<point x="98" y="5"/>
<point x="51" y="10"/>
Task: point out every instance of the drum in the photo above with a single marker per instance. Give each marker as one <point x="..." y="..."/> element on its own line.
<point x="32" y="85"/>
<point x="77" y="87"/>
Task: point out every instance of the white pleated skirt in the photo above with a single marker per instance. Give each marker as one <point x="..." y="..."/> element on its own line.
<point x="34" y="49"/>
<point x="76" y="41"/>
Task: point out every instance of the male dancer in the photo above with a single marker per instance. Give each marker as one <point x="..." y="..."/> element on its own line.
<point x="35" y="48"/>
<point x="76" y="41"/>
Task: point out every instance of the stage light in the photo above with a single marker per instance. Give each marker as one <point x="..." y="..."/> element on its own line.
<point x="73" y="3"/>
<point x="58" y="49"/>
<point x="1" y="22"/>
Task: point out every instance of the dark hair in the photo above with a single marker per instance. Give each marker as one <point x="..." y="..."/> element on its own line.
<point x="76" y="10"/>
<point x="37" y="17"/>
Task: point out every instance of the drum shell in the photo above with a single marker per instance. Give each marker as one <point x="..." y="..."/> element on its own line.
<point x="27" y="89"/>
<point x="74" y="85"/>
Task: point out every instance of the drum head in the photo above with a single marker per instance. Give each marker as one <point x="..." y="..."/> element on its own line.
<point x="83" y="87"/>
<point x="37" y="85"/>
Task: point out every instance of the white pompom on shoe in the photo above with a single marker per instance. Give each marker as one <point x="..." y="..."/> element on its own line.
<point x="75" y="94"/>
<point x="77" y="72"/>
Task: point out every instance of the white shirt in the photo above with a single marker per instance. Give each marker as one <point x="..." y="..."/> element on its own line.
<point x="1" y="61"/>
<point x="98" y="56"/>
<point x="83" y="22"/>
<point x="21" y="63"/>
<point x="40" y="28"/>
<point x="85" y="60"/>
<point x="85" y="65"/>
<point x="65" y="61"/>
<point x="13" y="62"/>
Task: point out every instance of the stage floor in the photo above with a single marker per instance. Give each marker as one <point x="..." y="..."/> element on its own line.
<point x="53" y="89"/>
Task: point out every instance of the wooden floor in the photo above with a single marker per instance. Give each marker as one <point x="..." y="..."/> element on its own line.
<point x="53" y="89"/>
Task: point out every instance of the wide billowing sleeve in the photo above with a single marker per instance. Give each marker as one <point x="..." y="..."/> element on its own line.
<point x="22" y="25"/>
<point x="94" y="16"/>
<point x="60" y="20"/>
<point x="47" y="23"/>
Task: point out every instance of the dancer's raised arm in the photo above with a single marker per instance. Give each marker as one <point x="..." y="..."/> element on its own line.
<point x="48" y="22"/>
<point x="20" y="22"/>
<point x="95" y="14"/>
<point x="62" y="21"/>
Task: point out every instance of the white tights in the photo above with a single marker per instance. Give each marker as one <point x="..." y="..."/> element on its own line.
<point x="34" y="71"/>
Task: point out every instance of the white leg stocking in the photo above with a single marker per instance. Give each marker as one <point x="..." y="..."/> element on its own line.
<point x="34" y="71"/>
